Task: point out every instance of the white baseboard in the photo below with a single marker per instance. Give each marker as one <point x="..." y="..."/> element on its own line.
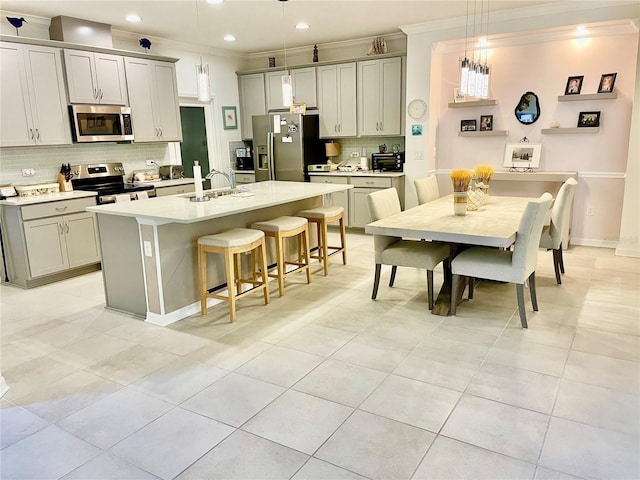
<point x="628" y="252"/>
<point x="594" y="242"/>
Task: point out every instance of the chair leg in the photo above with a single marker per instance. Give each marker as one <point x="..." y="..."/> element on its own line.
<point x="202" y="262"/>
<point x="307" y="254"/>
<point x="454" y="293"/>
<point x="520" y="294"/>
<point x="376" y="281"/>
<point x="229" y="264"/>
<point x="263" y="267"/>
<point x="472" y="284"/>
<point x="556" y="265"/>
<point x="561" y="259"/>
<point x="392" y="278"/>
<point x="325" y="248"/>
<point x="281" y="266"/>
<point x="343" y="240"/>
<point x="430" y="288"/>
<point x="532" y="290"/>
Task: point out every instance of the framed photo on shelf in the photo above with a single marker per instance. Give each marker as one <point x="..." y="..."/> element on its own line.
<point x="574" y="85"/>
<point x="606" y="82"/>
<point x="229" y="118"/>
<point x="522" y="155"/>
<point x="486" y="123"/>
<point x="467" y="125"/>
<point x="589" y="119"/>
<point x="298" y="108"/>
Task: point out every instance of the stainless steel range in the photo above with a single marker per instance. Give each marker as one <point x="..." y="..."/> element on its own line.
<point x="108" y="180"/>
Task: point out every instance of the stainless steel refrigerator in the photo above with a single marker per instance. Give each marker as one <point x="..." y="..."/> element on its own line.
<point x="284" y="144"/>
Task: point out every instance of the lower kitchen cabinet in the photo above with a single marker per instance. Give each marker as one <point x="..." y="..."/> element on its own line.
<point x="339" y="199"/>
<point x="49" y="241"/>
<point x="242" y="178"/>
<point x="175" y="190"/>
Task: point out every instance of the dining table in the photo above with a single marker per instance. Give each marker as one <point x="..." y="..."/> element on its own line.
<point x="493" y="225"/>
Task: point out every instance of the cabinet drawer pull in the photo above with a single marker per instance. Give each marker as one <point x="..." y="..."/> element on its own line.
<point x="31" y="132"/>
<point x="61" y="227"/>
<point x="37" y="134"/>
<point x="61" y="209"/>
<point x="101" y="93"/>
<point x="67" y="227"/>
<point x="160" y="131"/>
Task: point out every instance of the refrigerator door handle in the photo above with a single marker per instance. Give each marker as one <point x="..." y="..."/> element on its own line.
<point x="272" y="170"/>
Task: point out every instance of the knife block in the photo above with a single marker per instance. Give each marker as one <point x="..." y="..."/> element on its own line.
<point x="65" y="185"/>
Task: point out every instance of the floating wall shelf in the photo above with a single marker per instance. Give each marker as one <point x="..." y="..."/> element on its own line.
<point x="474" y="103"/>
<point x="490" y="133"/>
<point x="550" y="131"/>
<point x="587" y="96"/>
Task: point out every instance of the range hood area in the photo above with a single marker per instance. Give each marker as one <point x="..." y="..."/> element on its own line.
<point x="77" y="30"/>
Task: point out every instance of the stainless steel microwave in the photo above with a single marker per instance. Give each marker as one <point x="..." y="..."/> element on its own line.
<point x="101" y="123"/>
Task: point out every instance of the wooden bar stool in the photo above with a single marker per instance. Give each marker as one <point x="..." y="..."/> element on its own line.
<point x="280" y="229"/>
<point x="231" y="244"/>
<point x="322" y="217"/>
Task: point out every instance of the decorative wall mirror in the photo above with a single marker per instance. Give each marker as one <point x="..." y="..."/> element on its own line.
<point x="528" y="109"/>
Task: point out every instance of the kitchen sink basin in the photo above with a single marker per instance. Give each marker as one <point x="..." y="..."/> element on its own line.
<point x="213" y="193"/>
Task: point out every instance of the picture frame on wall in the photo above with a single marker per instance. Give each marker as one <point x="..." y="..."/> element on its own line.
<point x="486" y="123"/>
<point x="229" y="118"/>
<point x="468" y="125"/>
<point x="574" y="85"/>
<point x="606" y="82"/>
<point x="522" y="155"/>
<point x="589" y="119"/>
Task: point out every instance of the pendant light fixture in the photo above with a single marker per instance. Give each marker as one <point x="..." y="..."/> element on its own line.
<point x="287" y="84"/>
<point x="474" y="76"/>
<point x="202" y="71"/>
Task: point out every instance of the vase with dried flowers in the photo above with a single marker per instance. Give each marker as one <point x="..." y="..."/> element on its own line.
<point x="460" y="178"/>
<point x="483" y="175"/>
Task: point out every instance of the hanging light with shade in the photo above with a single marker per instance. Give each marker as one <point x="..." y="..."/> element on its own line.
<point x="202" y="71"/>
<point x="287" y="83"/>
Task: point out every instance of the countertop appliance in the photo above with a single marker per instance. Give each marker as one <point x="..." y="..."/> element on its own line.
<point x="244" y="160"/>
<point x="101" y="123"/>
<point x="171" y="172"/>
<point x="108" y="180"/>
<point x="284" y="144"/>
<point x="387" y="162"/>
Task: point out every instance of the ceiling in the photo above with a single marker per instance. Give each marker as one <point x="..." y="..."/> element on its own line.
<point x="260" y="25"/>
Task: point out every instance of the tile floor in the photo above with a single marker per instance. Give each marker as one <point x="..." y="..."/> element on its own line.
<point x="325" y="383"/>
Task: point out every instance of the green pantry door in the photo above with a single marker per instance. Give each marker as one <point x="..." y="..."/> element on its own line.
<point x="194" y="141"/>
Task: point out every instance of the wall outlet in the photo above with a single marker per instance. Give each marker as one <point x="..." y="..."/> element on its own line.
<point x="147" y="248"/>
<point x="589" y="211"/>
<point x="28" y="172"/>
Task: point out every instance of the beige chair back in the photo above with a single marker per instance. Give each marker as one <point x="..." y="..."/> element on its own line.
<point x="427" y="189"/>
<point x="561" y="213"/>
<point x="525" y="250"/>
<point x="381" y="204"/>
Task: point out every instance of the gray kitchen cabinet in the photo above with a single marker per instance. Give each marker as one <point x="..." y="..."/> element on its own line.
<point x="153" y="97"/>
<point x="304" y="88"/>
<point x="252" y="101"/>
<point x="95" y="78"/>
<point x="33" y="101"/>
<point x="363" y="186"/>
<point x="49" y="241"/>
<point x="339" y="199"/>
<point x="175" y="189"/>
<point x="379" y="96"/>
<point x="337" y="100"/>
<point x="243" y="178"/>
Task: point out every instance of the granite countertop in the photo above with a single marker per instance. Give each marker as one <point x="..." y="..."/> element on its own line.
<point x="52" y="197"/>
<point x="359" y="173"/>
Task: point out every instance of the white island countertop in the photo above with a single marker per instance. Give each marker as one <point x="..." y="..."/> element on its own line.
<point x="50" y="197"/>
<point x="179" y="209"/>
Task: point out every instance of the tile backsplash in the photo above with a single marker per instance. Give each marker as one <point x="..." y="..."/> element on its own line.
<point x="46" y="161"/>
<point x="349" y="145"/>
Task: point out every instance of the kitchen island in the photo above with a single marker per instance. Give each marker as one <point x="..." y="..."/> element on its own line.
<point x="149" y="247"/>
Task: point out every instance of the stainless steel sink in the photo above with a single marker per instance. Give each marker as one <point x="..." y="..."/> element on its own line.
<point x="213" y="193"/>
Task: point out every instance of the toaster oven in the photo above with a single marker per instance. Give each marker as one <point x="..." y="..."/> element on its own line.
<point x="387" y="162"/>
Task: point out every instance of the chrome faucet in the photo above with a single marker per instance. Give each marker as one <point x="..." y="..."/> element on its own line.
<point x="231" y="178"/>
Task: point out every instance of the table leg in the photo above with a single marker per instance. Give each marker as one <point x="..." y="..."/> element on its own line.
<point x="442" y="304"/>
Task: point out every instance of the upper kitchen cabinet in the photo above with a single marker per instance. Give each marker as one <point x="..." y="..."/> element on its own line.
<point x="153" y="97"/>
<point x="252" y="101"/>
<point x="337" y="100"/>
<point x="95" y="78"/>
<point x="304" y="88"/>
<point x="379" y="96"/>
<point x="33" y="101"/>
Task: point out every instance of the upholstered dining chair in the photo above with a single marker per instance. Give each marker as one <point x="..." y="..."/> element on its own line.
<point x="505" y="265"/>
<point x="395" y="251"/>
<point x="427" y="189"/>
<point x="554" y="234"/>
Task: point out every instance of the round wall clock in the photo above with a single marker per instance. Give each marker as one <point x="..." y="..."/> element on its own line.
<point x="417" y="108"/>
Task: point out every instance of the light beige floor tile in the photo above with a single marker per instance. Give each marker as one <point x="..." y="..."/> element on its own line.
<point x="376" y="447"/>
<point x="280" y="365"/>
<point x="590" y="452"/>
<point x="610" y="317"/>
<point x="410" y="401"/>
<point x="160" y="338"/>
<point x="463" y="335"/>
<point x="115" y="417"/>
<point x="17" y="423"/>
<point x="171" y="443"/>
<point x="58" y="453"/>
<point x="67" y="395"/>
<point x="516" y="352"/>
<point x="470" y="316"/>
<point x="179" y="380"/>
<point x="345" y="318"/>
<point x="316" y="469"/>
<point x="298" y="421"/>
<point x="622" y="375"/>
<point x="373" y="352"/>
<point x="229" y="460"/>
<point x="548" y="474"/>
<point x="33" y="375"/>
<point x="341" y="382"/>
<point x="131" y="364"/>
<point x="625" y="347"/>
<point x="233" y="399"/>
<point x="317" y="339"/>
<point x="450" y="459"/>
<point x="88" y="351"/>
<point x="64" y="334"/>
<point x="501" y="428"/>
<point x="554" y="333"/>
<point x="108" y="467"/>
<point x="18" y="352"/>
<point x="520" y="388"/>
<point x="598" y="406"/>
<point x="406" y="331"/>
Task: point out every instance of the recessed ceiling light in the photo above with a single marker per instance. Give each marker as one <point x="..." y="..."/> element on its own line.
<point x="215" y="1"/>
<point x="302" y="26"/>
<point x="133" y="18"/>
<point x="229" y="38"/>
